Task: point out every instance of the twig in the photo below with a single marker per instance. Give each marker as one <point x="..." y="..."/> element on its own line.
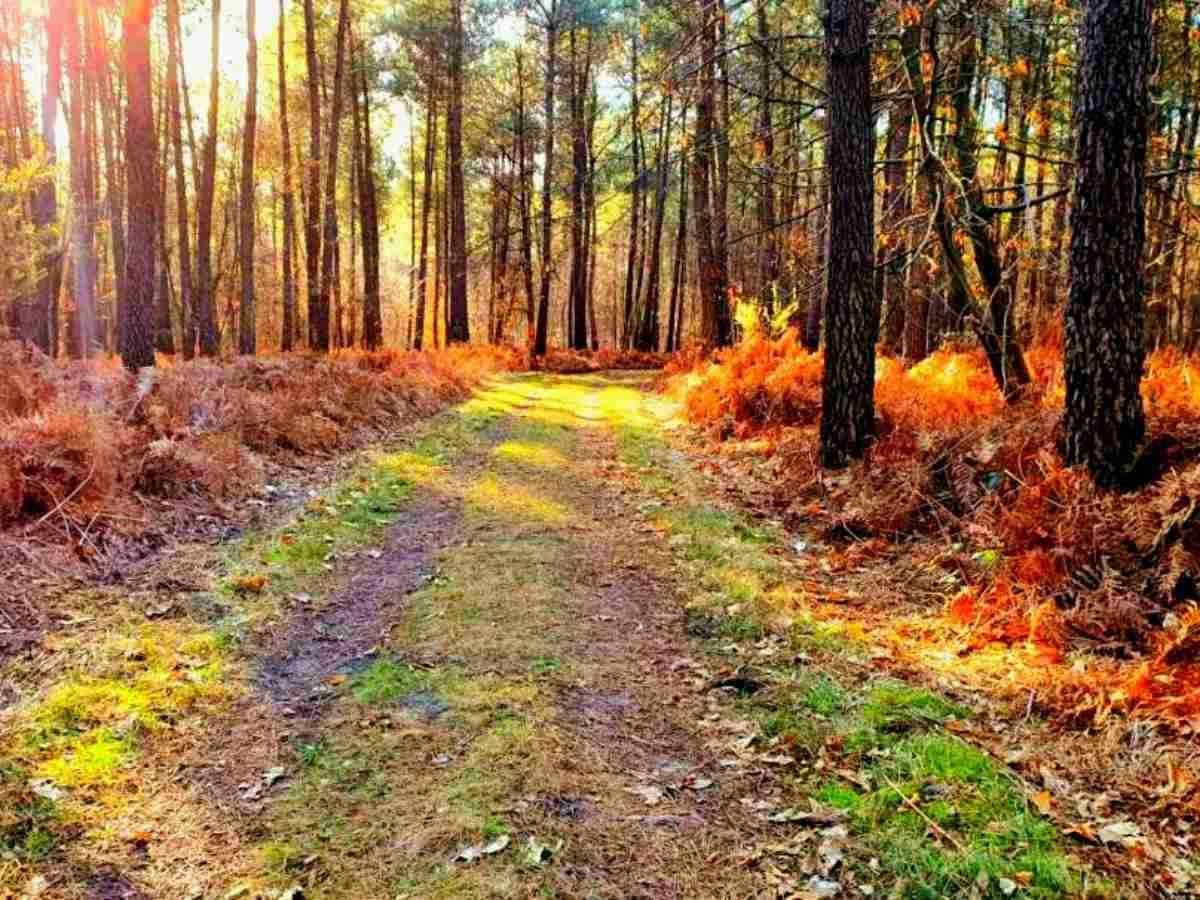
<point x="937" y="829"/>
<point x="67" y="499"/>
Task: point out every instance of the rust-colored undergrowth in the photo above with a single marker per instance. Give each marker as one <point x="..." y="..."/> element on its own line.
<point x="1087" y="596"/>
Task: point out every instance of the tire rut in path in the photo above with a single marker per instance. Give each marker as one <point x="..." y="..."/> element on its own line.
<point x="316" y="646"/>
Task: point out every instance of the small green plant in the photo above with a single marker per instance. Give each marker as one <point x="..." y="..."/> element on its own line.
<point x="824" y="696"/>
<point x="895" y="707"/>
<point x="545" y="665"/>
<point x="386" y="681"/>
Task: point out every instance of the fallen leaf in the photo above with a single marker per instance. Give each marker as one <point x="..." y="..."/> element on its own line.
<point x="250" y="584"/>
<point x="1042" y="801"/>
<point x="47" y="789"/>
<point x="820" y="888"/>
<point x="816" y="816"/>
<point x="1007" y="886"/>
<point x="537" y="853"/>
<point x="648" y="792"/>
<point x="495" y="846"/>
<point x="1125" y="833"/>
<point x="273" y="775"/>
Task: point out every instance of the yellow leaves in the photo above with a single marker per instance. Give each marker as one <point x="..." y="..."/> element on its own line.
<point x="1063" y="57"/>
<point x="1001" y="133"/>
<point x="1019" y="68"/>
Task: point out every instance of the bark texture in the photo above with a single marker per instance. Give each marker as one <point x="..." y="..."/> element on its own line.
<point x="1105" y="315"/>
<point x="852" y="306"/>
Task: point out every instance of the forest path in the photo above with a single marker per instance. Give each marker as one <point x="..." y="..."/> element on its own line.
<point x="525" y="653"/>
<point x="535" y="701"/>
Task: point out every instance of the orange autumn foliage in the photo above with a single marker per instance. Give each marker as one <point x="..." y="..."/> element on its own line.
<point x="1067" y="566"/>
<point x="86" y="441"/>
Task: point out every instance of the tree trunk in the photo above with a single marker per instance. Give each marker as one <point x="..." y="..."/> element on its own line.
<point x="579" y="163"/>
<point x="852" y="313"/>
<point x="768" y="240"/>
<point x="83" y="331"/>
<point x="525" y="176"/>
<point x="460" y="319"/>
<point x="649" y="331"/>
<point x="290" y="330"/>
<point x="1104" y="423"/>
<point x="319" y="315"/>
<point x="679" y="275"/>
<point x="141" y="156"/>
<point x="892" y="250"/>
<point x="187" y="298"/>
<point x="372" y="310"/>
<point x="40" y="320"/>
<point x="541" y="338"/>
<point x="247" y="320"/>
<point x="206" y="300"/>
<point x="632" y="281"/>
<point x="318" y="319"/>
<point x="716" y="321"/>
<point x="426" y="203"/>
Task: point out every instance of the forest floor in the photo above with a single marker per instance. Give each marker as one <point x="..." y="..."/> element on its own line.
<point x="516" y="654"/>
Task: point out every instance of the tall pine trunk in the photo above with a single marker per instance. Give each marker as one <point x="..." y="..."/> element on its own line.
<point x="206" y="288"/>
<point x="459" y="328"/>
<point x="1105" y="316"/>
<point x="852" y="306"/>
<point x="82" y="322"/>
<point x="320" y="315"/>
<point x="318" y="318"/>
<point x="579" y="162"/>
<point x="247" y="320"/>
<point x="187" y="297"/>
<point x="526" y="178"/>
<point x="716" y="321"/>
<point x="369" y="204"/>
<point x="290" y="330"/>
<point x="542" y="335"/>
<point x="141" y="157"/>
<point x="426" y="205"/>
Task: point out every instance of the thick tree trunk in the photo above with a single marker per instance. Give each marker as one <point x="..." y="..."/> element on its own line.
<point x="1104" y="423"/>
<point x="206" y="287"/>
<point x="852" y="314"/>
<point x="247" y="319"/>
<point x="459" y="331"/>
<point x="141" y="156"/>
